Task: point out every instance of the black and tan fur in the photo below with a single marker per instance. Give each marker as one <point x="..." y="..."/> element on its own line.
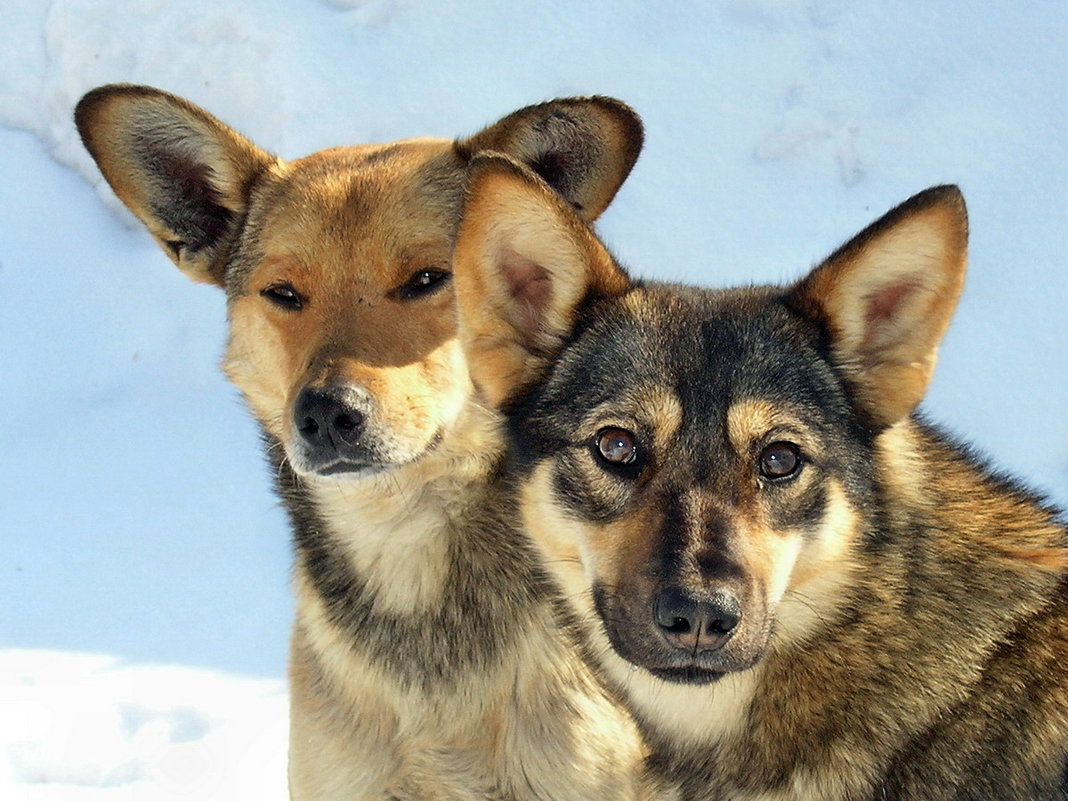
<point x="429" y="659"/>
<point x="805" y="590"/>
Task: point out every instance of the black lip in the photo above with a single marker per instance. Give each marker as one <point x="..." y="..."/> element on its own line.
<point x="350" y="469"/>
<point x="687" y="675"/>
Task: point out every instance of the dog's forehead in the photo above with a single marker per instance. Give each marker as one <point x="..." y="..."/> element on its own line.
<point x="710" y="348"/>
<point x="389" y="208"/>
<point x="684" y="334"/>
<point x="369" y="186"/>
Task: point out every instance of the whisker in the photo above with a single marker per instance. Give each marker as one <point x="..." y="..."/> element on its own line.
<point x="806" y="601"/>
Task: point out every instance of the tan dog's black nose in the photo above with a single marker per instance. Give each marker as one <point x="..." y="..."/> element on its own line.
<point x="328" y="421"/>
<point x="697" y="626"/>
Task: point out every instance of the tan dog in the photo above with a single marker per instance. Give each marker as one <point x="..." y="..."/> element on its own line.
<point x="429" y="657"/>
<point x="805" y="591"/>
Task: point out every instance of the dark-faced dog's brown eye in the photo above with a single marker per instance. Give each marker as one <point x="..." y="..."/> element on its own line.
<point x="780" y="460"/>
<point x="283" y="296"/>
<point x="423" y="283"/>
<point x="616" y="446"/>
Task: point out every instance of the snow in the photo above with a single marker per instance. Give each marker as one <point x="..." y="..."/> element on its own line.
<point x="85" y="726"/>
<point x="137" y="518"/>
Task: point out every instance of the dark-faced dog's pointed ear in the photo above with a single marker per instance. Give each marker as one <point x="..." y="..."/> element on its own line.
<point x="582" y="147"/>
<point x="524" y="265"/>
<point x="186" y="175"/>
<point x="886" y="298"/>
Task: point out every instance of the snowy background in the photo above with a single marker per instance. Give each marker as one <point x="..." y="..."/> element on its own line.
<point x="144" y="599"/>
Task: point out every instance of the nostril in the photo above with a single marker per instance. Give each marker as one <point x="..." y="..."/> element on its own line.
<point x="679" y="625"/>
<point x="675" y="610"/>
<point x="723" y="613"/>
<point x="348" y="425"/>
<point x="348" y="421"/>
<point x="723" y="625"/>
<point x="310" y="416"/>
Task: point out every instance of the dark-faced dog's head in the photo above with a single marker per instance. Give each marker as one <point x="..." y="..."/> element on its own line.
<point x="694" y="463"/>
<point x="337" y="265"/>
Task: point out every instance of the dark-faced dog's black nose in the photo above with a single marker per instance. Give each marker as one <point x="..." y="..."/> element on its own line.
<point x="697" y="625"/>
<point x="327" y="420"/>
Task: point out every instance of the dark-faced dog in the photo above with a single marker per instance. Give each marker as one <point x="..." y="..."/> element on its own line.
<point x="804" y="589"/>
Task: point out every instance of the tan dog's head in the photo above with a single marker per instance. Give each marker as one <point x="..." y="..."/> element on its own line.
<point x="337" y="265"/>
<point x="697" y="465"/>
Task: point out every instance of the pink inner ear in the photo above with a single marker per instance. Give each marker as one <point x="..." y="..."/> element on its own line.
<point x="529" y="286"/>
<point x="884" y="306"/>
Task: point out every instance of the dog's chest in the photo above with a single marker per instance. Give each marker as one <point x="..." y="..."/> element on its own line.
<point x="398" y="544"/>
<point x="428" y="586"/>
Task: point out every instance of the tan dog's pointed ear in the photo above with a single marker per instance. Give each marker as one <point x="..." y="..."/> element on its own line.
<point x="886" y="298"/>
<point x="524" y="265"/>
<point x="584" y="148"/>
<point x="183" y="173"/>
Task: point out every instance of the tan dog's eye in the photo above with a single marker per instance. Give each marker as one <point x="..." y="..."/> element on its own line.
<point x="283" y="296"/>
<point x="616" y="446"/>
<point x="780" y="460"/>
<point x="423" y="283"/>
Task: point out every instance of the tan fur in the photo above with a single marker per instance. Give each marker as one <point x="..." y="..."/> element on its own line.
<point x="318" y="257"/>
<point x="892" y="352"/>
<point x="540" y="246"/>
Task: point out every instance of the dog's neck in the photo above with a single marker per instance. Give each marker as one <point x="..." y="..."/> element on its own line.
<point x="397" y="527"/>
